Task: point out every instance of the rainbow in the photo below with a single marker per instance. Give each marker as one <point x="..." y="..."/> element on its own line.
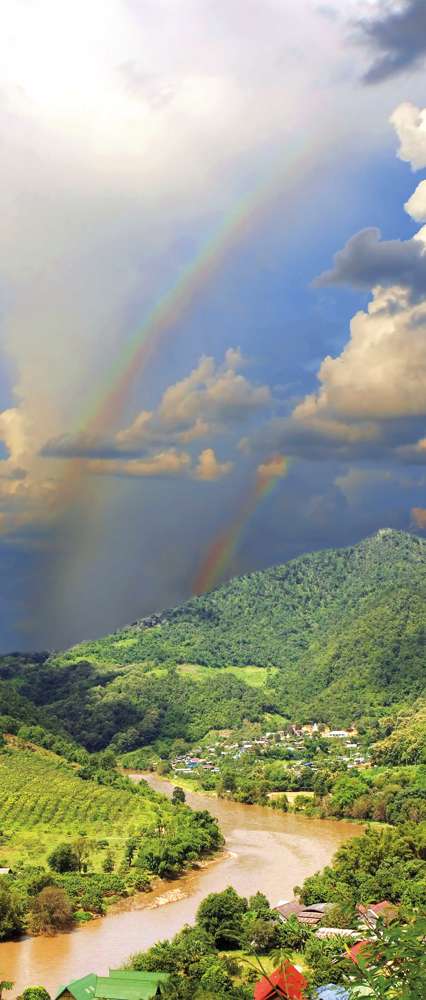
<point x="223" y="547"/>
<point x="102" y="411"/>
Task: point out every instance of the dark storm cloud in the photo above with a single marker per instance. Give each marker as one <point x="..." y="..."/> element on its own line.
<point x="328" y="440"/>
<point x="366" y="261"/>
<point x="398" y="38"/>
<point x="78" y="446"/>
<point x="15" y="473"/>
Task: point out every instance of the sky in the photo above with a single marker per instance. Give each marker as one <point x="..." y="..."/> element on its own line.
<point x="212" y="296"/>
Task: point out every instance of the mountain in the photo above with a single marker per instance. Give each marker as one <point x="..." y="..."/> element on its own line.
<point x="335" y="635"/>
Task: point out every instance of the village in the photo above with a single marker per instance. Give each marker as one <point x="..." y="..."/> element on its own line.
<point x="286" y="981"/>
<point x="295" y="744"/>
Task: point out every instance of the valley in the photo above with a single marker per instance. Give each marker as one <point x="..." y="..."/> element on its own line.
<point x="278" y="713"/>
<point x="263" y="851"/>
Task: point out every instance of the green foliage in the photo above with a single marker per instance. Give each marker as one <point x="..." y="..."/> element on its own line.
<point x="41" y="790"/>
<point x="406" y="743"/>
<point x="395" y="969"/>
<point x="382" y="864"/>
<point x="178" y="796"/>
<point x="325" y="960"/>
<point x="261" y="934"/>
<point x="393" y="965"/>
<point x="34" y="993"/>
<point x="11" y="911"/>
<point x="5" y="985"/>
<point x="294" y="935"/>
<point x="194" y="834"/>
<point x="188" y="947"/>
<point x="108" y="862"/>
<point x="220" y="915"/>
<point x="338" y="634"/>
<point x="64" y="859"/>
<point x="345" y="791"/>
<point x="42" y="793"/>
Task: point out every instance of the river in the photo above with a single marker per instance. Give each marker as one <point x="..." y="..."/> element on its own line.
<point x="264" y="850"/>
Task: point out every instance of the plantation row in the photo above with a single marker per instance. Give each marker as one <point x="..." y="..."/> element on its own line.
<point x="39" y="792"/>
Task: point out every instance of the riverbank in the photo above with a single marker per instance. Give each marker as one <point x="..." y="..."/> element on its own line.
<point x="264" y="850"/>
<point x="194" y="786"/>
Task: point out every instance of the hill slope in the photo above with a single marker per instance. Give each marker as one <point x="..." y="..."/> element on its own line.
<point x="338" y="633"/>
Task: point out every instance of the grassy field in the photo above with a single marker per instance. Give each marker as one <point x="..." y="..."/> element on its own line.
<point x="267" y="963"/>
<point x="256" y="677"/>
<point x="291" y="796"/>
<point x="43" y="802"/>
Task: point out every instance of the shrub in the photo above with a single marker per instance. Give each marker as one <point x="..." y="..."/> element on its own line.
<point x="64" y="859"/>
<point x="51" y="911"/>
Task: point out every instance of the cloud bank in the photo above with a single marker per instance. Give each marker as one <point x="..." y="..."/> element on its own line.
<point x="370" y="402"/>
<point x="397" y="37"/>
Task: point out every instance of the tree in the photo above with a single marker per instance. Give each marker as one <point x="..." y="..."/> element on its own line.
<point x="6" y="984"/>
<point x="108" y="862"/>
<point x="51" y="911"/>
<point x="261" y="935"/>
<point x="129" y="852"/>
<point x="294" y="935"/>
<point x="325" y="960"/>
<point x="259" y="904"/>
<point x="11" y="913"/>
<point x="227" y="782"/>
<point x="64" y="858"/>
<point x="346" y="789"/>
<point x="163" y="767"/>
<point x="34" y="993"/>
<point x="220" y="914"/>
<point x="82" y="847"/>
<point x="178" y="797"/>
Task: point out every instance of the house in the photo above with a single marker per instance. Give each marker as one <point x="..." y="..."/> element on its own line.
<point x="78" y="989"/>
<point x="286" y="982"/>
<point x="337" y="734"/>
<point x="310" y="915"/>
<point x="118" y="985"/>
<point x="129" y="985"/>
<point x="327" y="932"/>
<point x="371" y="913"/>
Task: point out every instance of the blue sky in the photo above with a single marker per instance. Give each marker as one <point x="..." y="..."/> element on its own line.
<point x="113" y="178"/>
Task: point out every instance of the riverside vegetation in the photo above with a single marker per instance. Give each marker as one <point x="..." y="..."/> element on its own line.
<point x="337" y="636"/>
<point x="77" y="839"/>
<point x="313" y="774"/>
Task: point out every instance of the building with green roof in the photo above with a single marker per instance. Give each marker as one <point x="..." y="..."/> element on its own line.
<point x="118" y="985"/>
<point x="79" y="989"/>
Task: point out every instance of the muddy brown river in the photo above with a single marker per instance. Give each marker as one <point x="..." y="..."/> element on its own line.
<point x="265" y="850"/>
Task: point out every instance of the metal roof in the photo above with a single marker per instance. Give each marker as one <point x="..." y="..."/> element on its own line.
<point x="118" y="985"/>
<point x="81" y="989"/>
<point x="129" y="985"/>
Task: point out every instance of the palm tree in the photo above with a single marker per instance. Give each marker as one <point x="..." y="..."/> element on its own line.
<point x="5" y="984"/>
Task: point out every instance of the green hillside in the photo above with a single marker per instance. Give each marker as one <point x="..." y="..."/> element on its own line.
<point x="406" y="742"/>
<point x="337" y="634"/>
<point x="44" y="801"/>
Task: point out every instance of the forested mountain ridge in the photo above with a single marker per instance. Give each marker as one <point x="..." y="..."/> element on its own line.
<point x="334" y="635"/>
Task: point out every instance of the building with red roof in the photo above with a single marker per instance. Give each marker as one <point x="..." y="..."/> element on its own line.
<point x="359" y="950"/>
<point x="286" y="982"/>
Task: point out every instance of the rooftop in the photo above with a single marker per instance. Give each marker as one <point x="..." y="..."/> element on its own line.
<point x="118" y="985"/>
